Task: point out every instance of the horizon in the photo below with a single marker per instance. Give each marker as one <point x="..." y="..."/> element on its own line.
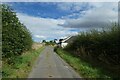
<point x="51" y="20"/>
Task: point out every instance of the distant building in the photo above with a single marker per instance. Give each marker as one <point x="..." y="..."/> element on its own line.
<point x="70" y="39"/>
<point x="64" y="42"/>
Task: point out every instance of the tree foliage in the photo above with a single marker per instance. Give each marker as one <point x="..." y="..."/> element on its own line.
<point x="15" y="36"/>
<point x="101" y="47"/>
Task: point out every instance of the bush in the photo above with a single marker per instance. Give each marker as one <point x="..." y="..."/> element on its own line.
<point x="99" y="47"/>
<point x="15" y="36"/>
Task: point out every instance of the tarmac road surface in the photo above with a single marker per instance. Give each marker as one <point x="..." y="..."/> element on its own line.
<point x="50" y="65"/>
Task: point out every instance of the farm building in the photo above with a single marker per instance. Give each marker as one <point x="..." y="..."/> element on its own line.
<point x="64" y="42"/>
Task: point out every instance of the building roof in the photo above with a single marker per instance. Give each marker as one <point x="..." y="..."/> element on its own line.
<point x="70" y="39"/>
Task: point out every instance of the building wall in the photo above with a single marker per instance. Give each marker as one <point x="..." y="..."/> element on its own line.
<point x="63" y="45"/>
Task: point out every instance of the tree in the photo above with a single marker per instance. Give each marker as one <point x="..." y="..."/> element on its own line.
<point x="15" y="36"/>
<point x="43" y="41"/>
<point x="51" y="41"/>
<point x="55" y="40"/>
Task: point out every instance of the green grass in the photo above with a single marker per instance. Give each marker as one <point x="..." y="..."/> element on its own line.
<point x="83" y="68"/>
<point x="23" y="65"/>
<point x="100" y="48"/>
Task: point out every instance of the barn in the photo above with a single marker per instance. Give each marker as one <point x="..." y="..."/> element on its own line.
<point x="64" y="42"/>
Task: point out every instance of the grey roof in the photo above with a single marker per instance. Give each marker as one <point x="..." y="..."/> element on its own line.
<point x="71" y="39"/>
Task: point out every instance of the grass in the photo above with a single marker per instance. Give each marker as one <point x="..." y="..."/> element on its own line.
<point x="82" y="67"/>
<point x="23" y="65"/>
<point x="100" y="48"/>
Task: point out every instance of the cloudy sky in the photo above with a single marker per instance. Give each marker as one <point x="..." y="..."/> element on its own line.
<point x="50" y="20"/>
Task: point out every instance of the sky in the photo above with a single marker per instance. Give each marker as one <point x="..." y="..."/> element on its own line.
<point x="55" y="20"/>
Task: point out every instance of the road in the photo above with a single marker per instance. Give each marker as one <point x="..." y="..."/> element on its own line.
<point x="50" y="65"/>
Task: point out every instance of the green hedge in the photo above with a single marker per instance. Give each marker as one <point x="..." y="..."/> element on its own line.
<point x="99" y="47"/>
<point x="15" y="36"/>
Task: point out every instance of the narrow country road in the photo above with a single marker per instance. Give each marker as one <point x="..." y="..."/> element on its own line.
<point x="50" y="65"/>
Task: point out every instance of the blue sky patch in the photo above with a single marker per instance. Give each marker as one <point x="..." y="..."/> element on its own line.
<point x="46" y="9"/>
<point x="51" y="20"/>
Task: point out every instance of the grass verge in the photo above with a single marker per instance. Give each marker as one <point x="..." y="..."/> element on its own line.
<point x="23" y="65"/>
<point x="83" y="68"/>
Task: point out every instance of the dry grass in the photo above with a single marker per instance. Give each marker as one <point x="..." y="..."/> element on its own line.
<point x="85" y="69"/>
<point x="36" y="46"/>
<point x="23" y="64"/>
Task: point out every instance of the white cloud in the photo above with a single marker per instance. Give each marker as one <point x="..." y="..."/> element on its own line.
<point x="48" y="28"/>
<point x="44" y="28"/>
<point x="39" y="36"/>
<point x="74" y="6"/>
<point x="99" y="16"/>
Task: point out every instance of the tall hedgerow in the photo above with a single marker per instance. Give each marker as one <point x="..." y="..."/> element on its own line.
<point x="15" y="36"/>
<point x="99" y="47"/>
